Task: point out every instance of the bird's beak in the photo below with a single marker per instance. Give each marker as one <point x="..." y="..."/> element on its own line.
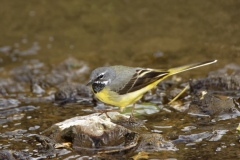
<point x="90" y="82"/>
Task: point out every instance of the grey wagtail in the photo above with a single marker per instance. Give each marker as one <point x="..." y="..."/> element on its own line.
<point x="122" y="86"/>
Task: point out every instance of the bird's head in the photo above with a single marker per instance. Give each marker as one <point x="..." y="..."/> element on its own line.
<point x="101" y="77"/>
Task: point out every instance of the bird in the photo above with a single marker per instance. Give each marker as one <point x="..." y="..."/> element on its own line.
<point x="122" y="86"/>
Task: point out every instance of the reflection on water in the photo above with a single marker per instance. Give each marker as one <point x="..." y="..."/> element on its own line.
<point x="37" y="39"/>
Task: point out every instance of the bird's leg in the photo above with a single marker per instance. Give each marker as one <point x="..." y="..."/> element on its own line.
<point x="105" y="112"/>
<point x="131" y="116"/>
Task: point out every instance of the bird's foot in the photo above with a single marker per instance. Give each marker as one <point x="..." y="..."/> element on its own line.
<point x="131" y="119"/>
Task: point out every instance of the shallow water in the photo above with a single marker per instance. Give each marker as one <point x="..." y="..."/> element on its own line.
<point x="155" y="34"/>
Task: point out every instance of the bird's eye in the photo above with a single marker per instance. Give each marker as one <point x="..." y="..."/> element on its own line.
<point x="100" y="76"/>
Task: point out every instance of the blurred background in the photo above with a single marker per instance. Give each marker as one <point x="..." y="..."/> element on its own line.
<point x="154" y="34"/>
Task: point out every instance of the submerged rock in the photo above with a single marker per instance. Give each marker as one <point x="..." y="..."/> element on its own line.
<point x="74" y="93"/>
<point x="37" y="87"/>
<point x="154" y="143"/>
<point x="15" y="110"/>
<point x="225" y="81"/>
<point x="211" y="104"/>
<point x="14" y="155"/>
<point x="6" y="155"/>
<point x="69" y="70"/>
<point x="8" y="103"/>
<point x="3" y="91"/>
<point x="218" y="93"/>
<point x="93" y="133"/>
<point x="97" y="134"/>
<point x="47" y="145"/>
<point x="210" y="136"/>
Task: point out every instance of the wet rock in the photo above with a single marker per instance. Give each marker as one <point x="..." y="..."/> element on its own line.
<point x="15" y="133"/>
<point x="148" y="96"/>
<point x="3" y="91"/>
<point x="148" y="143"/>
<point x="144" y="109"/>
<point x="193" y="137"/>
<point x="38" y="86"/>
<point x="135" y="124"/>
<point x="37" y="89"/>
<point x="30" y="51"/>
<point x="69" y="70"/>
<point x="47" y="146"/>
<point x="74" y="93"/>
<point x="30" y="77"/>
<point x="188" y="128"/>
<point x="17" y="110"/>
<point x="210" y="104"/>
<point x="40" y="76"/>
<point x="45" y="99"/>
<point x="210" y="136"/>
<point x="6" y="155"/>
<point x="165" y="92"/>
<point x="5" y="49"/>
<point x="32" y="69"/>
<point x="22" y="155"/>
<point x="225" y="81"/>
<point x="154" y="143"/>
<point x="217" y="135"/>
<point x="8" y="103"/>
<point x="102" y="134"/>
<point x="180" y="105"/>
<point x="94" y="134"/>
<point x="43" y="139"/>
<point x="13" y="155"/>
<point x="218" y="93"/>
<point x="165" y="85"/>
<point x="16" y="87"/>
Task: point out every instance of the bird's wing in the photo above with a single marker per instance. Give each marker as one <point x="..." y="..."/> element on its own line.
<point x="141" y="79"/>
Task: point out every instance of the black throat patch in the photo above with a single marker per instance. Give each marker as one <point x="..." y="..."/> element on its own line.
<point x="98" y="86"/>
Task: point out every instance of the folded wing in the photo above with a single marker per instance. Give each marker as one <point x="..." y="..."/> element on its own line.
<point x="141" y="79"/>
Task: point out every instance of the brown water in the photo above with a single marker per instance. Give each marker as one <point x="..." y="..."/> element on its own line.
<point x="154" y="34"/>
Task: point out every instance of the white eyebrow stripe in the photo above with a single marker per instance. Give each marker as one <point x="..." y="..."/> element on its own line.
<point x="102" y="82"/>
<point x="101" y="74"/>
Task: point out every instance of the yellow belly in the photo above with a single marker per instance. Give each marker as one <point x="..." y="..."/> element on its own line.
<point x="122" y="101"/>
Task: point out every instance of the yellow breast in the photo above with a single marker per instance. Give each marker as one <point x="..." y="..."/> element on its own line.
<point x="122" y="101"/>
